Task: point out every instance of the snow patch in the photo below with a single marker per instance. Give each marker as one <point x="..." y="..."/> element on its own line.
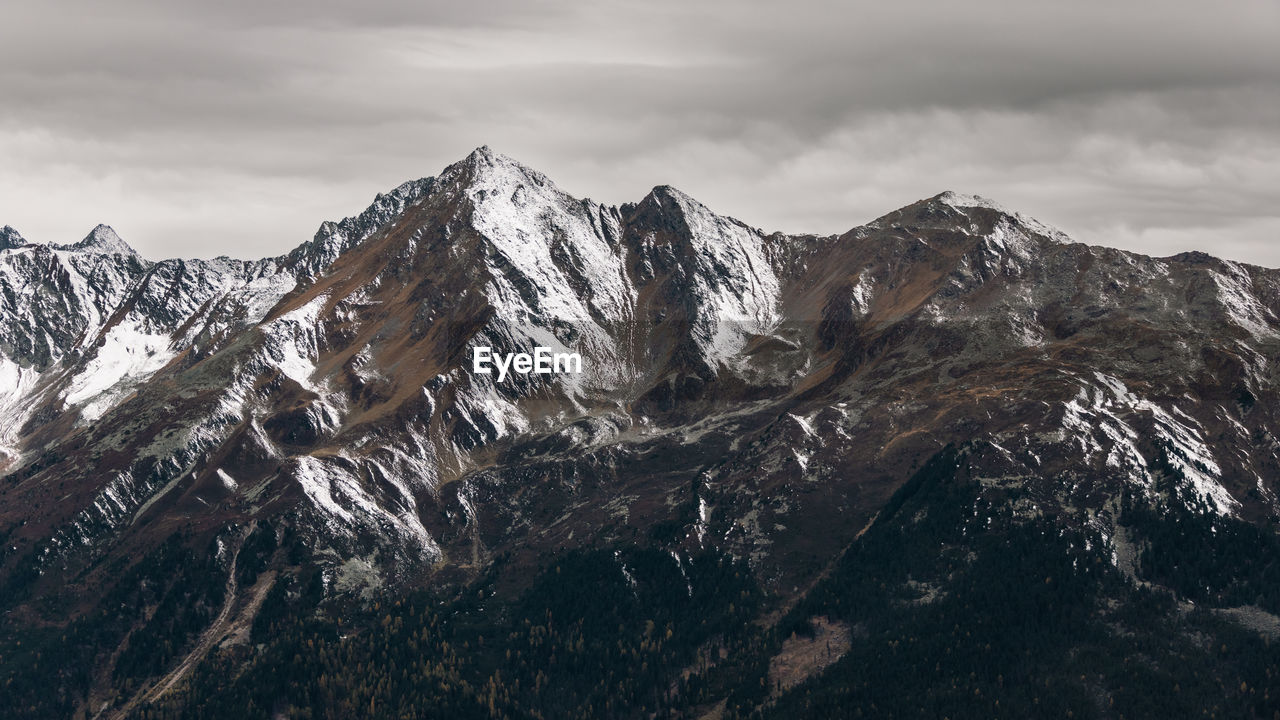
<point x="126" y="356"/>
<point x="228" y="482"/>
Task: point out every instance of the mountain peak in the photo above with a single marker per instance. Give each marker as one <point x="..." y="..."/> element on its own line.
<point x="482" y="152"/>
<point x="484" y="165"/>
<point x="102" y="240"/>
<point x="484" y="157"/>
<point x="10" y="238"/>
<point x="661" y="192"/>
<point x="962" y="201"/>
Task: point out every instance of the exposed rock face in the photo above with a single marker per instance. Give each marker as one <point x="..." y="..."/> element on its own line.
<point x="763" y="393"/>
<point x="9" y="238"/>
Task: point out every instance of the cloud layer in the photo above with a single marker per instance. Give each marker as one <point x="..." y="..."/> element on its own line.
<point x="236" y="127"/>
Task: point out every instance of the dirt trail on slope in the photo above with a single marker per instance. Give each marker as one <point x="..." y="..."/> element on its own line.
<point x="215" y="632"/>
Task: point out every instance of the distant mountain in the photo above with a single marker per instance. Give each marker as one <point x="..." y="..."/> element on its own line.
<point x="764" y="399"/>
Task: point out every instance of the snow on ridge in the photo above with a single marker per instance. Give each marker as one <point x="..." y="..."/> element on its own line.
<point x="337" y="493"/>
<point x="960" y="201"/>
<point x="531" y="223"/>
<point x="262" y="293"/>
<point x="1009" y="240"/>
<point x="293" y="341"/>
<point x="553" y="266"/>
<point x="964" y="200"/>
<point x="102" y="240"/>
<point x="805" y="423"/>
<point x="16" y="383"/>
<point x="1240" y="302"/>
<point x="1101" y="407"/>
<point x="127" y="355"/>
<point x="735" y="288"/>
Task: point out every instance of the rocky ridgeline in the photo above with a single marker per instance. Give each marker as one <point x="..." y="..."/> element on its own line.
<point x="765" y="393"/>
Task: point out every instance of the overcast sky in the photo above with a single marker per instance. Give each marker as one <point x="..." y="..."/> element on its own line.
<point x="236" y="127"/>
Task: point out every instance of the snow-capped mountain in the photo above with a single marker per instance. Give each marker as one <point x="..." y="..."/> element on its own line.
<point x="767" y="393"/>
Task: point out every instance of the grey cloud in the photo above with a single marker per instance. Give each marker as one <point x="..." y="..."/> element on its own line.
<point x="236" y="127"/>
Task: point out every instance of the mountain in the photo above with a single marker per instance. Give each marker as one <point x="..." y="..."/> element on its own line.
<point x="9" y="238"/>
<point x="196" y="453"/>
<point x="102" y="240"/>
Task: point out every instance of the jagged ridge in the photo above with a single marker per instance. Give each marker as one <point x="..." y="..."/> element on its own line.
<point x="329" y="386"/>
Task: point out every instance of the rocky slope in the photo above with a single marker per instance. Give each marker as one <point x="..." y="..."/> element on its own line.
<point x="764" y="395"/>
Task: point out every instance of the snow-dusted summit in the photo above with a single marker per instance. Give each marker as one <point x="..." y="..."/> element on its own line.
<point x="101" y="240"/>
